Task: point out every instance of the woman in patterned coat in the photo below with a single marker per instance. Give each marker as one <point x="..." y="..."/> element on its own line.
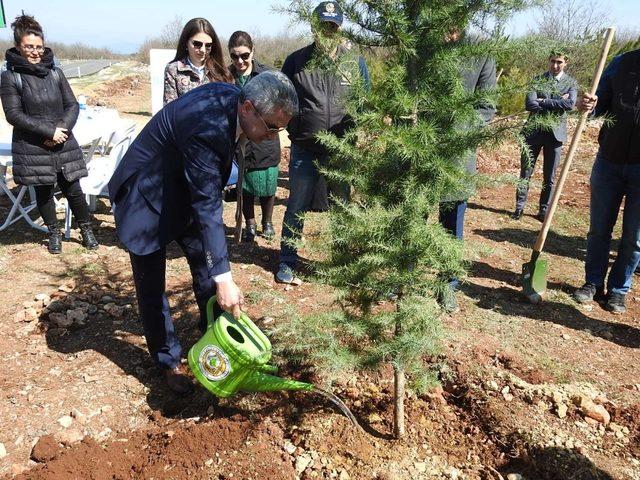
<point x="198" y="60"/>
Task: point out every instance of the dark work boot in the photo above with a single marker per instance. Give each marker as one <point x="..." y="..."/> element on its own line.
<point x="55" y="239"/>
<point x="88" y="238"/>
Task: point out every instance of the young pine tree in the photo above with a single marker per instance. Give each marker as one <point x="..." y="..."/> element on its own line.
<point x="414" y="131"/>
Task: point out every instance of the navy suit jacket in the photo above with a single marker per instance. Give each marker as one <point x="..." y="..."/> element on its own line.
<point x="174" y="172"/>
<point x="552" y="101"/>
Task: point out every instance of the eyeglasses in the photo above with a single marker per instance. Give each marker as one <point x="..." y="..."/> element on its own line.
<point x="244" y="56"/>
<point x="269" y="128"/>
<point x="31" y="48"/>
<point x="198" y="45"/>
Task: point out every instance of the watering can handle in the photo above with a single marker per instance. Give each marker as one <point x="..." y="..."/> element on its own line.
<point x="244" y="319"/>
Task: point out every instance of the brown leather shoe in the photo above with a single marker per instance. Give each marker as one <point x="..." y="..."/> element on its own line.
<point x="177" y="381"/>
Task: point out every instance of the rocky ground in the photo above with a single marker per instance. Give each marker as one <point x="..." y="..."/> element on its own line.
<point x="550" y="391"/>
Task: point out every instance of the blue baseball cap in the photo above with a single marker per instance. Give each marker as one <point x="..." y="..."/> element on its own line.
<point x="329" y="12"/>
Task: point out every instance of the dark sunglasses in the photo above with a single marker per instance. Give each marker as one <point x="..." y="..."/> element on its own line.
<point x="244" y="56"/>
<point x="198" y="45"/>
<point x="269" y="128"/>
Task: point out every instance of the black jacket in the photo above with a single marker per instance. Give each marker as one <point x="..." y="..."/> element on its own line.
<point x="266" y="153"/>
<point x="321" y="96"/>
<point x="619" y="97"/>
<point x="43" y="105"/>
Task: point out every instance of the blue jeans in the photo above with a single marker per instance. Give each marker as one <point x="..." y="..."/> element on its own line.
<point x="451" y="217"/>
<point x="610" y="183"/>
<point x="303" y="179"/>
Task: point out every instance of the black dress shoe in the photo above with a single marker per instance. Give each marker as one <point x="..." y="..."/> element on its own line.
<point x="177" y="381"/>
<point x="517" y="215"/>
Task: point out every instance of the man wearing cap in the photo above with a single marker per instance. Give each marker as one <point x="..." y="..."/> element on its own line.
<point x="321" y="94"/>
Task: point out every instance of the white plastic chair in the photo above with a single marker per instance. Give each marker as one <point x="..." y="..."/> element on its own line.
<point x="117" y="136"/>
<point x="100" y="171"/>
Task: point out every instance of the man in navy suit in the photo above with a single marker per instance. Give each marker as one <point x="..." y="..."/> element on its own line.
<point x="169" y="187"/>
<point x="555" y="94"/>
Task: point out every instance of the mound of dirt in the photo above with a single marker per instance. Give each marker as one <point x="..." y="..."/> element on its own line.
<point x="220" y="449"/>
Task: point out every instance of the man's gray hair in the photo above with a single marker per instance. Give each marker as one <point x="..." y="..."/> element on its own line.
<point x="271" y="91"/>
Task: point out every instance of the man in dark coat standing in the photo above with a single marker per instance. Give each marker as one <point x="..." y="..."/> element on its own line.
<point x="321" y="93"/>
<point x="477" y="74"/>
<point x="615" y="176"/>
<point x="555" y="94"/>
<point x="169" y="187"/>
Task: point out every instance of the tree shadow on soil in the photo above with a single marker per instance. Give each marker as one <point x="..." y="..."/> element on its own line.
<point x="553" y="463"/>
<point x="120" y="338"/>
<point x="506" y="301"/>
<point x="556" y="244"/>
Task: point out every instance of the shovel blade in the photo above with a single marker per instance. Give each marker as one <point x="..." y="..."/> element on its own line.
<point x="534" y="279"/>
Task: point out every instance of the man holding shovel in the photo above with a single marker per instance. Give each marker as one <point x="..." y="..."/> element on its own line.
<point x="615" y="176"/>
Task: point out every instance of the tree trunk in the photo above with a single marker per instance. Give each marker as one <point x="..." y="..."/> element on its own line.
<point x="398" y="377"/>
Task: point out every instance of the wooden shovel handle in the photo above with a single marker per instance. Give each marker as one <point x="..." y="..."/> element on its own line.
<point x="575" y="140"/>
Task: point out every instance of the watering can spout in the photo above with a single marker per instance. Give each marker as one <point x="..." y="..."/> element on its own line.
<point x="263" y="382"/>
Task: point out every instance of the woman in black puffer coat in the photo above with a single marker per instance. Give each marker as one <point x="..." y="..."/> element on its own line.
<point x="40" y="105"/>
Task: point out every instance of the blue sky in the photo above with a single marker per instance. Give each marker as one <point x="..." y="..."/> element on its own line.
<point x="123" y="24"/>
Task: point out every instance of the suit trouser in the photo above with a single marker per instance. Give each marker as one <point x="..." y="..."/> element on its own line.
<point x="149" y="277"/>
<point x="552" y="150"/>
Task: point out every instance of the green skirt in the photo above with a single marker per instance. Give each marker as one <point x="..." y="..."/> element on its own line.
<point x="260" y="182"/>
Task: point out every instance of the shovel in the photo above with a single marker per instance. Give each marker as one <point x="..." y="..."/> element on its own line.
<point x="534" y="272"/>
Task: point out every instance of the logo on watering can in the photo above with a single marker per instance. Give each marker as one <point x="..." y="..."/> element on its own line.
<point x="214" y="363"/>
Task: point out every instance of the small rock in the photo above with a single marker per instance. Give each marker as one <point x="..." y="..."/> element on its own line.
<point x="596" y="412"/>
<point x="492" y="385"/>
<point x="70" y="436"/>
<point x="209" y="462"/>
<point x="561" y="410"/>
<point x="27" y="315"/>
<point x="505" y="390"/>
<point x="508" y="397"/>
<point x="302" y="462"/>
<point x="18" y="469"/>
<point x="77" y="316"/>
<point x="514" y="476"/>
<point x="43" y="297"/>
<point x="344" y="475"/>
<point x="453" y="473"/>
<point x="421" y="467"/>
<point x="3" y="450"/>
<point x="65" y="421"/>
<point x="289" y="447"/>
<point x="60" y="320"/>
<point x="565" y="336"/>
<point x="79" y="416"/>
<point x="68" y="287"/>
<point x="375" y="418"/>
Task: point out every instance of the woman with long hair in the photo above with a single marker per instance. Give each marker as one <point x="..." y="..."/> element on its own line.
<point x="39" y="103"/>
<point x="198" y="60"/>
<point x="260" y="160"/>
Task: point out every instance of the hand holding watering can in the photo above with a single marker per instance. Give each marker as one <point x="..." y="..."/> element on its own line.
<point x="230" y="297"/>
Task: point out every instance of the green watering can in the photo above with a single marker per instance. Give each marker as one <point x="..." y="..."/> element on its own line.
<point x="232" y="356"/>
